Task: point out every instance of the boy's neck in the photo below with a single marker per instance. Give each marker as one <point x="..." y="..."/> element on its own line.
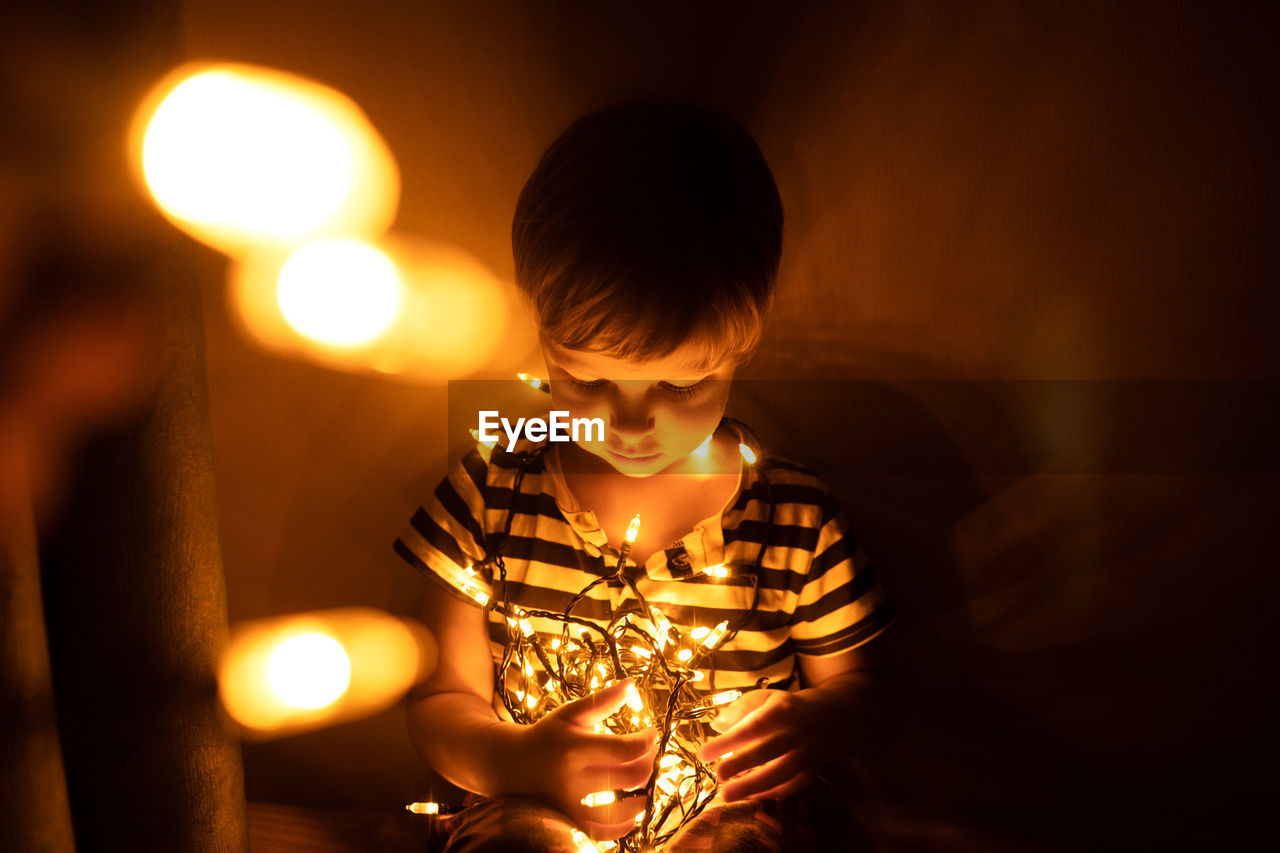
<point x="670" y="502"/>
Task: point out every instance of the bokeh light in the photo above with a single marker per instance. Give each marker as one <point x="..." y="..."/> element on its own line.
<point x="243" y="157"/>
<point x="339" y="292"/>
<point x="415" y="309"/>
<point x="309" y="671"/>
<point x="459" y="315"/>
<point x="290" y="673"/>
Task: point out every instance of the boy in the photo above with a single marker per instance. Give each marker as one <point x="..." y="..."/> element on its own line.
<point x="647" y="241"/>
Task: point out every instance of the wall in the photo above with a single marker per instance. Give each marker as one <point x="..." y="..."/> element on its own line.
<point x="976" y="196"/>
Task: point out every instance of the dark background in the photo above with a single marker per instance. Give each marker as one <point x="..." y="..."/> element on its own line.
<point x="975" y="194"/>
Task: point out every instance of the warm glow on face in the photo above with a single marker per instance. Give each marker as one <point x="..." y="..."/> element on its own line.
<point x="242" y="156"/>
<point x="659" y="415"/>
<point x="309" y="671"/>
<point x="339" y="292"/>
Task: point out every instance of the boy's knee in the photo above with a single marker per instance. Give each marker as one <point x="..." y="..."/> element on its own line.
<point x="512" y="825"/>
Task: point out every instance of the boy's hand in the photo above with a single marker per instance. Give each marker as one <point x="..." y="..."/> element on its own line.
<point x="774" y="738"/>
<point x="563" y="759"/>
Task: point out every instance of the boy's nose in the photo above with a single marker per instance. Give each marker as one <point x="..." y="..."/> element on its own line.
<point x="631" y="423"/>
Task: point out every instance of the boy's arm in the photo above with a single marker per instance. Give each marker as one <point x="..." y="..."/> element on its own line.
<point x="451" y="719"/>
<point x="776" y="740"/>
<point x="849" y="697"/>
<point x="780" y="739"/>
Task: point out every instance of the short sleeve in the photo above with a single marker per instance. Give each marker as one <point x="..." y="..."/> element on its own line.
<point x="445" y="537"/>
<point x="842" y="604"/>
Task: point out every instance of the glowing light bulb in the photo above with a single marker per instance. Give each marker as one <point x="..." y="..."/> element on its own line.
<point x="309" y="670"/>
<point x="716" y="571"/>
<point x="423" y="808"/>
<point x="531" y="380"/>
<point x="716" y="635"/>
<point x="632" y="530"/>
<point x="684" y="654"/>
<point x="724" y="697"/>
<point x="599" y="798"/>
<point x="642" y="651"/>
<point x="339" y="292"/>
<point x="663" y="625"/>
<point x="487" y="444"/>
<point x="585" y="845"/>
<point x="469" y="583"/>
<point x="699" y="632"/>
<point x="747" y="454"/>
<point x="633" y="698"/>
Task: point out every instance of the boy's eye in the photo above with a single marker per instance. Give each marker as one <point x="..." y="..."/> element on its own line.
<point x="682" y="390"/>
<point x="669" y="387"/>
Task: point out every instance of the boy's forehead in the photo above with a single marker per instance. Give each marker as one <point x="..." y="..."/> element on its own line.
<point x="683" y="363"/>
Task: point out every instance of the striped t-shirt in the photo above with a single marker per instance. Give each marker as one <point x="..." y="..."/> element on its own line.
<point x="816" y="593"/>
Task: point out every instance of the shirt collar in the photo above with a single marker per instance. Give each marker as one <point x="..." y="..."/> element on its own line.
<point x="701" y="547"/>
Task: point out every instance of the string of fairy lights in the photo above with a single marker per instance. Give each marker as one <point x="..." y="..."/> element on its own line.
<point x="672" y="672"/>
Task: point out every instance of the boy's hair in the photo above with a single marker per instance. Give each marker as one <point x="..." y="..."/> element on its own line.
<point x="646" y="226"/>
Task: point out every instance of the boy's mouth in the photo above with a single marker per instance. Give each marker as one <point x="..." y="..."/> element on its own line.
<point x="632" y="458"/>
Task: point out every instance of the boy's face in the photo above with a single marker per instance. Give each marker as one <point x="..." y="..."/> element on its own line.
<point x="655" y="412"/>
